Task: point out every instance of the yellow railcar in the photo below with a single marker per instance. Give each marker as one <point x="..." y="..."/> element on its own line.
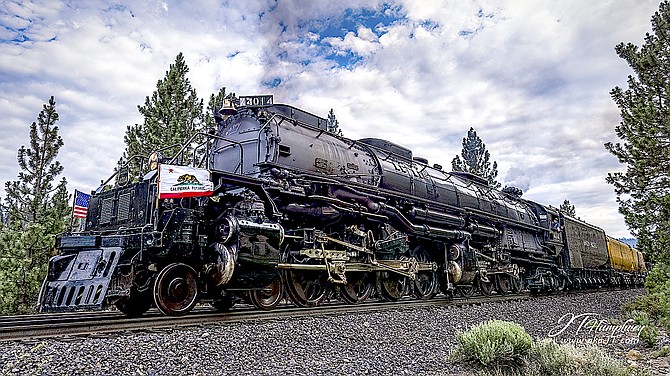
<point x="624" y="257"/>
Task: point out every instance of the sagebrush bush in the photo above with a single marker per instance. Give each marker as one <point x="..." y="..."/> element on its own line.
<point x="505" y="348"/>
<point x="494" y="343"/>
<point x="549" y="358"/>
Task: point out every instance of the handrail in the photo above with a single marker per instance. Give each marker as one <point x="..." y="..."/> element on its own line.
<point x="267" y="123"/>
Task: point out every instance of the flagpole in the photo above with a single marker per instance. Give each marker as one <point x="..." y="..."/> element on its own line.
<point x="74" y="202"/>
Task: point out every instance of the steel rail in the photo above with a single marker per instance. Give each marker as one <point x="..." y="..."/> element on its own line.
<point x="40" y="326"/>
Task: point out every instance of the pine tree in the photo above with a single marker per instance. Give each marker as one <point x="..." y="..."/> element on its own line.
<point x="475" y="159"/>
<point x="36" y="211"/>
<point x="567" y="209"/>
<point x="643" y="190"/>
<point x="333" y="124"/>
<point x="172" y="115"/>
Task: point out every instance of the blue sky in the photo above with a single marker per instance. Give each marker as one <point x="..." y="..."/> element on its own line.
<point x="532" y="77"/>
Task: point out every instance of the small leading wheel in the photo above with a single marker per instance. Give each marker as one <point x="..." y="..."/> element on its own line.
<point x="136" y="304"/>
<point x="486" y="288"/>
<point x="425" y="284"/>
<point x="224" y="303"/>
<point x="391" y="285"/>
<point x="503" y="284"/>
<point x="269" y="297"/>
<point x="357" y="289"/>
<point x="176" y="289"/>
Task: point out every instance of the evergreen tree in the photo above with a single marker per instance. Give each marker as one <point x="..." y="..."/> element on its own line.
<point x="475" y="159"/>
<point x="36" y="211"/>
<point x="172" y="115"/>
<point x="643" y="190"/>
<point x="333" y="124"/>
<point x="567" y="209"/>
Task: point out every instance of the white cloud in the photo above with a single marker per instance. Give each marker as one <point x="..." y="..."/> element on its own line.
<point x="531" y="77"/>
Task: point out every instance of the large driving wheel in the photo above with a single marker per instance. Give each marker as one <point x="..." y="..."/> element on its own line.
<point x="391" y="285"/>
<point x="425" y="284"/>
<point x="517" y="284"/>
<point x="269" y="297"/>
<point x="486" y="288"/>
<point x="357" y="289"/>
<point x="503" y="284"/>
<point x="307" y="288"/>
<point x="176" y="289"/>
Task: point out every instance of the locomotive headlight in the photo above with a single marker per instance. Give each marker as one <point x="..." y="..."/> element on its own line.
<point x="226" y="230"/>
<point x="154" y="159"/>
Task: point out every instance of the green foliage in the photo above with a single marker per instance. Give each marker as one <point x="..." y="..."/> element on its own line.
<point x="654" y="307"/>
<point x="567" y="209"/>
<point x="494" y="343"/>
<point x="649" y="335"/>
<point x="663" y="352"/>
<point x="643" y="190"/>
<point x="36" y="210"/>
<point x="658" y="279"/>
<point x="172" y="115"/>
<point x="475" y="159"/>
<point x="649" y="304"/>
<point x="504" y="348"/>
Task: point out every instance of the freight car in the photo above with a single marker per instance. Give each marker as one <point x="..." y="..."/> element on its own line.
<point x="270" y="204"/>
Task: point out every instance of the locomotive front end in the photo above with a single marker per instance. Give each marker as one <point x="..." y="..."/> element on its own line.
<point x="196" y="227"/>
<point x="95" y="267"/>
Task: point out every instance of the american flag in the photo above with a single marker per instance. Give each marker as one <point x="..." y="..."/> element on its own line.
<point x="80" y="204"/>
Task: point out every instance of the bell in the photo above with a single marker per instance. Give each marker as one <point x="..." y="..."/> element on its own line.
<point x="228" y="107"/>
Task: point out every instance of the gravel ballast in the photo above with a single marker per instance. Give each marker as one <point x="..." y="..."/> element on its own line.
<point x="408" y="341"/>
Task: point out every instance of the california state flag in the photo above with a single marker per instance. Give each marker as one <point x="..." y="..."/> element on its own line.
<point x="183" y="181"/>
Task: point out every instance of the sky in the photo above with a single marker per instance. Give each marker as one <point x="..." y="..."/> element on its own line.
<point x="531" y="77"/>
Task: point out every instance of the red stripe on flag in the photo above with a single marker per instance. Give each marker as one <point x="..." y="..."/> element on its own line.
<point x="186" y="194"/>
<point x="80" y="212"/>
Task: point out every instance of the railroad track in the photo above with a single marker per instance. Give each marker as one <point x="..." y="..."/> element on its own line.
<point x="31" y="327"/>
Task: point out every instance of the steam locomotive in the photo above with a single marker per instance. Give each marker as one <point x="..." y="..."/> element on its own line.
<point x="271" y="204"/>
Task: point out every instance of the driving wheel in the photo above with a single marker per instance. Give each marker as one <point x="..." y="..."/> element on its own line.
<point x="425" y="284"/>
<point x="486" y="288"/>
<point x="503" y="284"/>
<point x="391" y="286"/>
<point x="357" y="289"/>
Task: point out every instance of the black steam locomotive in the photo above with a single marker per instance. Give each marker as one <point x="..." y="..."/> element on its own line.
<point x="271" y="204"/>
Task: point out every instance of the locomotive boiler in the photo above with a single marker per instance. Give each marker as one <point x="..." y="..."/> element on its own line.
<point x="272" y="205"/>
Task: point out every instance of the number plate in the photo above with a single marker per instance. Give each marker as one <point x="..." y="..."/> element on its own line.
<point x="257" y="101"/>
